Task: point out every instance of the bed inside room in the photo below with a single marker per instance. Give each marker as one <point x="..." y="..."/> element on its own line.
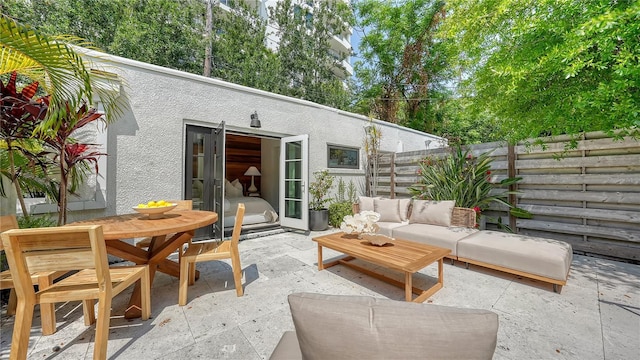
<point x="246" y="157"/>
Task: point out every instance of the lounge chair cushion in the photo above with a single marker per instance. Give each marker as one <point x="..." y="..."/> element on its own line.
<point x="362" y="327"/>
<point x="432" y="212"/>
<point x="444" y="237"/>
<point x="287" y="347"/>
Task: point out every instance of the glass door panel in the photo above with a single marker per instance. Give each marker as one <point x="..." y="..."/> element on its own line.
<point x="293" y="180"/>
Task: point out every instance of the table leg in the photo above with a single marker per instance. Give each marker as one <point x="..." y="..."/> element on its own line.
<point x="320" y="265"/>
<point x="408" y="286"/>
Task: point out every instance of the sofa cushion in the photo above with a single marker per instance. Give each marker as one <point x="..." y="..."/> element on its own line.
<point x="361" y="327"/>
<point x="405" y="205"/>
<point x="287" y="348"/>
<point x="533" y="255"/>
<point x="444" y="237"/>
<point x="386" y="228"/>
<point x="432" y="212"/>
<point x="366" y="203"/>
<point x="389" y="209"/>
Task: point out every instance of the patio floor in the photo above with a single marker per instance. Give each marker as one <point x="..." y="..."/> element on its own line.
<point x="597" y="315"/>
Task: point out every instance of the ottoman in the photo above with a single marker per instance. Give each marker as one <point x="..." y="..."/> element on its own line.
<point x="533" y="257"/>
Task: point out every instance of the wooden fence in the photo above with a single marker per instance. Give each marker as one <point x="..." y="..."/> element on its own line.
<point x="588" y="196"/>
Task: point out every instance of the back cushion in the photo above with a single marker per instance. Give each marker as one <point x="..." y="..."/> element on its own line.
<point x="404" y="209"/>
<point x="389" y="209"/>
<point x="432" y="212"/>
<point x="362" y="327"/>
<point x="366" y="203"/>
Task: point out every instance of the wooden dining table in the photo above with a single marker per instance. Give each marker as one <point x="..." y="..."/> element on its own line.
<point x="180" y="224"/>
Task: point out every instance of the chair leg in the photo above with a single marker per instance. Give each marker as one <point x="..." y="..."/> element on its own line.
<point x="13" y="301"/>
<point x="182" y="286"/>
<point x="47" y="310"/>
<point x="237" y="273"/>
<point x="89" y="311"/>
<point x="145" y="294"/>
<point x="102" y="327"/>
<point x="21" y="330"/>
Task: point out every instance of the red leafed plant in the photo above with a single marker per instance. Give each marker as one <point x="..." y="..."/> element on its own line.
<point x="69" y="155"/>
<point x="20" y="117"/>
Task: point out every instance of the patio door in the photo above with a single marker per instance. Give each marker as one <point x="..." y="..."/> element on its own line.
<point x="204" y="175"/>
<point x="294" y="176"/>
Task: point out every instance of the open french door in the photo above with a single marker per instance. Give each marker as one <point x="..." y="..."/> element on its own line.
<point x="294" y="177"/>
<point x="204" y="175"/>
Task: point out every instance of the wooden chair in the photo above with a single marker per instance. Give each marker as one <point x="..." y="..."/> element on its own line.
<point x="43" y="279"/>
<point x="68" y="248"/>
<point x="182" y="205"/>
<point x="207" y="251"/>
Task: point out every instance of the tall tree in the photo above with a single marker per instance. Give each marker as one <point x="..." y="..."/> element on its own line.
<point x="240" y="53"/>
<point x="304" y="30"/>
<point x="549" y="67"/>
<point x="402" y="68"/>
<point x="162" y="32"/>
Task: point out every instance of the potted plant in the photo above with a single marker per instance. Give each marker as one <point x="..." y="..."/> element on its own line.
<point x="318" y="189"/>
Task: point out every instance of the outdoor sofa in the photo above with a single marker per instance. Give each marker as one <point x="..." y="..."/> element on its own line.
<point x="441" y="224"/>
<point x="362" y="327"/>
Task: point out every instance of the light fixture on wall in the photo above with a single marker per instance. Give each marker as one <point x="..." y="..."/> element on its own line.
<point x="427" y="143"/>
<point x="252" y="171"/>
<point x="255" y="122"/>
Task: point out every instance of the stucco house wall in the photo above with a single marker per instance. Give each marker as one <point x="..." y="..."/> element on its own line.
<point x="145" y="146"/>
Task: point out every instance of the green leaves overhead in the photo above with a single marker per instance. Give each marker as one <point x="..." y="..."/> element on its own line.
<point x="547" y="67"/>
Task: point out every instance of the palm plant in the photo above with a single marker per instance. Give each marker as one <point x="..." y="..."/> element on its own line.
<point x="465" y="179"/>
<point x="57" y="65"/>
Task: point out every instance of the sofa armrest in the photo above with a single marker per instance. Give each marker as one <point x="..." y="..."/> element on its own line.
<point x="463" y="217"/>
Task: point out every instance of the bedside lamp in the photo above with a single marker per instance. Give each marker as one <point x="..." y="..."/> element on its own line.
<point x="252" y="171"/>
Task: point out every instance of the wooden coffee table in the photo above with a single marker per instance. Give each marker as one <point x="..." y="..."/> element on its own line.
<point x="400" y="255"/>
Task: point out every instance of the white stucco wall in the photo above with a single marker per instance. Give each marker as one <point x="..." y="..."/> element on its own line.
<point x="146" y="145"/>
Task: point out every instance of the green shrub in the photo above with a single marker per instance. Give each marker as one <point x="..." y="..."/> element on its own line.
<point x="35" y="222"/>
<point x="343" y="202"/>
<point x="337" y="211"/>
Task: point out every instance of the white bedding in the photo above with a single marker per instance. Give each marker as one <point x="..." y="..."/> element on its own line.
<point x="256" y="211"/>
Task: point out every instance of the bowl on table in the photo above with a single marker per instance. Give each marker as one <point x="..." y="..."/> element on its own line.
<point x="155" y="212"/>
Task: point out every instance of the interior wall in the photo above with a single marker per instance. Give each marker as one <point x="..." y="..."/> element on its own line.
<point x="241" y="153"/>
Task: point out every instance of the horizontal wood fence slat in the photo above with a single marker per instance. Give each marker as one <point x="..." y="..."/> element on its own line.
<point x="588" y="196"/>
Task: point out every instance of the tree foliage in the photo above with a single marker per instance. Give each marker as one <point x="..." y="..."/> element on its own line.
<point x="305" y="29"/>
<point x="402" y="67"/>
<point x="546" y="67"/>
<point x="170" y="33"/>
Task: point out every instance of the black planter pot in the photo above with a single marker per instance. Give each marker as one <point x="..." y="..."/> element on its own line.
<point x="318" y="220"/>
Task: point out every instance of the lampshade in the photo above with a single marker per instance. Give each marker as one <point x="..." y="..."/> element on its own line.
<point x="252" y="171"/>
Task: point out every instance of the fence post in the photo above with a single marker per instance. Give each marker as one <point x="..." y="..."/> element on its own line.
<point x="511" y="172"/>
<point x="392" y="177"/>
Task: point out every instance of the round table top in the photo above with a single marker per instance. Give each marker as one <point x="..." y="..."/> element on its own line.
<point x="139" y="225"/>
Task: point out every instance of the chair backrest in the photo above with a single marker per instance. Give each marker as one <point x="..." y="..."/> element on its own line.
<point x="7" y="222"/>
<point x="182" y="204"/>
<point x="237" y="227"/>
<point x="64" y="248"/>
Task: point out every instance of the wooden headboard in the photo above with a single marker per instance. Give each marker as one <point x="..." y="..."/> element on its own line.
<point x="242" y="152"/>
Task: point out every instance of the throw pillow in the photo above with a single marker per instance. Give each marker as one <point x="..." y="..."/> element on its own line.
<point x="230" y="190"/>
<point x="389" y="209"/>
<point x="432" y="212"/>
<point x="362" y="327"/>
<point x="366" y="203"/>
